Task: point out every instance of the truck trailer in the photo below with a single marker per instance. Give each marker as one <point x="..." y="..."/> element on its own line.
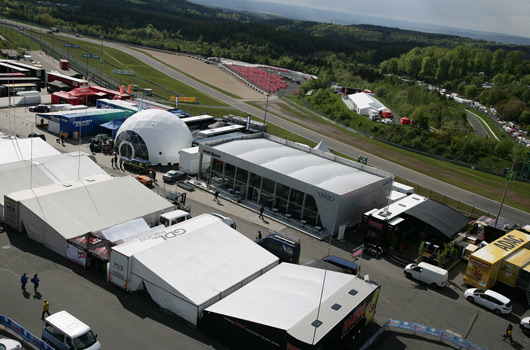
<point x="506" y="260"/>
<point x="189" y="160"/>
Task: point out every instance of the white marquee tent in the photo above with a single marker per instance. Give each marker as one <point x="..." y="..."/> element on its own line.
<point x="189" y="266"/>
<point x="25" y="174"/>
<point x="278" y="310"/>
<point x="54" y="213"/>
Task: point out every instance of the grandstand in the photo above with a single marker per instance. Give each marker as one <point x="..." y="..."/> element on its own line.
<point x="261" y="78"/>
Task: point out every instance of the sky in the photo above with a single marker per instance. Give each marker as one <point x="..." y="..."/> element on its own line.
<point x="507" y="17"/>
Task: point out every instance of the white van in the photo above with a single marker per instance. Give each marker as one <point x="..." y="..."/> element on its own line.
<point x="65" y="332"/>
<point x="174" y="217"/>
<point x="230" y="222"/>
<point x="432" y="275"/>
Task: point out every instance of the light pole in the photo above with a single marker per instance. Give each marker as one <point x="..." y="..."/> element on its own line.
<point x="101" y="60"/>
<point x="267" y="102"/>
<point x="507" y="183"/>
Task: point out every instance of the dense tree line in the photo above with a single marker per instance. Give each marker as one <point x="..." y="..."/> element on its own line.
<point x="466" y="71"/>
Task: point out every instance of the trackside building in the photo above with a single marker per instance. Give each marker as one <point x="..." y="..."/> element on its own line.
<point x="316" y="188"/>
<point x="283" y="309"/>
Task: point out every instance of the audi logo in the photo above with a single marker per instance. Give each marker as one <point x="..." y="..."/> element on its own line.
<point x="326" y="195"/>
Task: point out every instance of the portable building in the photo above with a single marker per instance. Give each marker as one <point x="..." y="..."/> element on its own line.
<point x="294" y="307"/>
<point x="316" y="188"/>
<point x="429" y="220"/>
<point x="85" y="122"/>
<point x="189" y="266"/>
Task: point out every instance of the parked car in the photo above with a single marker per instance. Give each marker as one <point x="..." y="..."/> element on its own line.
<point x="144" y="179"/>
<point x="39" y="109"/>
<point x="37" y="134"/>
<point x="138" y="165"/>
<point x="173" y="176"/>
<point x="9" y="344"/>
<point x="285" y="247"/>
<point x="525" y="326"/>
<point x="489" y="299"/>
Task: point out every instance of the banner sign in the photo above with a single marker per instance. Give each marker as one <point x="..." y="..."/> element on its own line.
<point x="14" y="327"/>
<point x="121" y="71"/>
<point x="187" y="99"/>
<point x="357" y="252"/>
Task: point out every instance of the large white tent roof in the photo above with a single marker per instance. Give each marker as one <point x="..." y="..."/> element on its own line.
<point x="26" y="174"/>
<point x="287" y="297"/>
<point x="91" y="204"/>
<point x="198" y="259"/>
<point x="363" y="100"/>
<point x="14" y="149"/>
<point x="299" y="164"/>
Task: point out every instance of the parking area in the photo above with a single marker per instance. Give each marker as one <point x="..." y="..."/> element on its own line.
<point x="124" y="321"/>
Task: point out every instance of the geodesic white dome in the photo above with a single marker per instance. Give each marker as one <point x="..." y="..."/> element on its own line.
<point x="153" y="135"/>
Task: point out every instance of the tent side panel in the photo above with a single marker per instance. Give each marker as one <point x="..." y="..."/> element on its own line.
<point x="168" y="301"/>
<point x="242" y="334"/>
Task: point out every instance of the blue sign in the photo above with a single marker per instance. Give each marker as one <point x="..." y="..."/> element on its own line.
<point x="90" y="55"/>
<point x="122" y="71"/>
<point x="72" y="45"/>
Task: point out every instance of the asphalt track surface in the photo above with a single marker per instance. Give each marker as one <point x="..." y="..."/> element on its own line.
<point x="475" y="200"/>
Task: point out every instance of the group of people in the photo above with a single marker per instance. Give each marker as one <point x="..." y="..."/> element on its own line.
<point x="114" y="162"/>
<point x="35" y="280"/>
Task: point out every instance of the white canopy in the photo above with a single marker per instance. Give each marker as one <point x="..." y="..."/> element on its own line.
<point x="15" y="149"/>
<point x="52" y="214"/>
<point x="191" y="265"/>
<point x="124" y="230"/>
<point x="287" y="297"/>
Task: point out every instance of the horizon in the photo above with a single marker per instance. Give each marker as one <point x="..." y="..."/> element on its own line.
<point x="474" y="15"/>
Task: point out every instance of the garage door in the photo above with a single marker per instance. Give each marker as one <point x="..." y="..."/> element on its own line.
<point x="54" y="127"/>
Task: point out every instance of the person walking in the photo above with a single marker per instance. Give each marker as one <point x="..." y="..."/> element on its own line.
<point x="216" y="196"/>
<point x="261" y="210"/>
<point x="116" y="160"/>
<point x="508" y="333"/>
<point x="153" y="173"/>
<point x="45" y="309"/>
<point x="35" y="280"/>
<point x="121" y="164"/>
<point x="112" y="162"/>
<point x="24" y="280"/>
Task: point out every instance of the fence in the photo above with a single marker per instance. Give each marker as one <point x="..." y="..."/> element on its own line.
<point x="424" y="331"/>
<point x="18" y="330"/>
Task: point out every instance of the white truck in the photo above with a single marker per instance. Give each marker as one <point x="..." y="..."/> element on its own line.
<point x="189" y="160"/>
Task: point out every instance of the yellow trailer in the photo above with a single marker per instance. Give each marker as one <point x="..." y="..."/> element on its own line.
<point x="500" y="260"/>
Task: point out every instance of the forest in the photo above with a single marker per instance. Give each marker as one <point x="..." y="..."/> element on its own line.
<point x="384" y="60"/>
